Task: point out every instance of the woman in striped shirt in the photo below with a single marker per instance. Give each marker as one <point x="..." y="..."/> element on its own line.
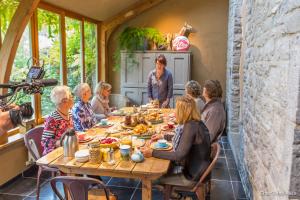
<point x="59" y="120"/>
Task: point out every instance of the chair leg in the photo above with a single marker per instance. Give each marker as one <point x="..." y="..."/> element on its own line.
<point x="200" y="192"/>
<point x="167" y="192"/>
<point x="40" y="170"/>
<point x="208" y="187"/>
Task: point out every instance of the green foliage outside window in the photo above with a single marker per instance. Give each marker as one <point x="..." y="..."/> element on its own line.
<point x="7" y="10"/>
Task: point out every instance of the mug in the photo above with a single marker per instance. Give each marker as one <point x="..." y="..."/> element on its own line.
<point x="162" y="143"/>
<point x="125" y="152"/>
<point x="103" y="122"/>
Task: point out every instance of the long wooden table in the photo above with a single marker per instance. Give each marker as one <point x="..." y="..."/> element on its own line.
<point x="150" y="169"/>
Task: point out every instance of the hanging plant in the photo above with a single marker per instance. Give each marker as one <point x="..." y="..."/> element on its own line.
<point x="135" y="38"/>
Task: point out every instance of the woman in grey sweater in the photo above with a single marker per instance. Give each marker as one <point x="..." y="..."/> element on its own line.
<point x="193" y="89"/>
<point x="191" y="146"/>
<point x="100" y="101"/>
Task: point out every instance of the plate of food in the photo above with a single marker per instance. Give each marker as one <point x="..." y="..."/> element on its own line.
<point x="87" y="138"/>
<point x="118" y="113"/>
<point x="109" y="142"/>
<point x="106" y="125"/>
<point x="168" y="127"/>
<point x="154" y="118"/>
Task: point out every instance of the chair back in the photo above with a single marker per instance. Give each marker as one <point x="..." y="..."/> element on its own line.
<point x="215" y="151"/>
<point x="77" y="187"/>
<point x="33" y="142"/>
<point x="118" y="100"/>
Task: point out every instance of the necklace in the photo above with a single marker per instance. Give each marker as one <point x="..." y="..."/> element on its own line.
<point x="64" y="115"/>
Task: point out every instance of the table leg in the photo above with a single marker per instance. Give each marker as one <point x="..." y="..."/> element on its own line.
<point x="146" y="189"/>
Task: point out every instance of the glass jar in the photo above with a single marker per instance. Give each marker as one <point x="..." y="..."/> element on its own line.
<point x="95" y="154"/>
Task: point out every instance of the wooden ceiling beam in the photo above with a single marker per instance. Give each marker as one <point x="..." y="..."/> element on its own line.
<point x="110" y="25"/>
<point x="68" y="13"/>
<point x="13" y="36"/>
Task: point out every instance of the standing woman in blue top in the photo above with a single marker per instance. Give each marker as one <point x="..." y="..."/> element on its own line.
<point x="83" y="115"/>
<point x="160" y="83"/>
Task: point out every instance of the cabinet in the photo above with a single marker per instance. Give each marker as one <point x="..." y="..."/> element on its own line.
<point x="136" y="67"/>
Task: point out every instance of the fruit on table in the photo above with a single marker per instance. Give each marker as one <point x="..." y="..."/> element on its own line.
<point x="108" y="140"/>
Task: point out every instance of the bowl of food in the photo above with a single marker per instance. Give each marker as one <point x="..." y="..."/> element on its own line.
<point x="109" y="142"/>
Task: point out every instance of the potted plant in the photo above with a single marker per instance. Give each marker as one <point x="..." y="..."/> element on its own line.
<point x="136" y="38"/>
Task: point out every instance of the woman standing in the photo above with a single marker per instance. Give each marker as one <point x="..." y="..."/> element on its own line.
<point x="83" y="115"/>
<point x="59" y="120"/>
<point x="191" y="146"/>
<point x="160" y="83"/>
<point x="100" y="102"/>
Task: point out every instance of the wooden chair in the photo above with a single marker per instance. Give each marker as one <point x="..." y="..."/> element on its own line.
<point x="199" y="189"/>
<point x="82" y="188"/>
<point x="33" y="143"/>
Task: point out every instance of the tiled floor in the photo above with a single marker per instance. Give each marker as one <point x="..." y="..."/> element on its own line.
<point x="226" y="183"/>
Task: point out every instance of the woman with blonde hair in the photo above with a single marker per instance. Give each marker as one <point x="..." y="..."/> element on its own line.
<point x="83" y="115"/>
<point x="100" y="101"/>
<point x="191" y="146"/>
<point x="59" y="120"/>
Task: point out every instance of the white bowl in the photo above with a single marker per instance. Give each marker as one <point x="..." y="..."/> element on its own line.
<point x="82" y="153"/>
<point x="83" y="159"/>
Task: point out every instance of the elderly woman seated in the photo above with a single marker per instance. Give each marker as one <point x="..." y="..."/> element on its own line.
<point x="191" y="144"/>
<point x="83" y="115"/>
<point x="213" y="113"/>
<point x="193" y="89"/>
<point x="100" y="102"/>
<point x="59" y="120"/>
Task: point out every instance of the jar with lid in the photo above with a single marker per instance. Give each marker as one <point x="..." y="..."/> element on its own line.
<point x="95" y="154"/>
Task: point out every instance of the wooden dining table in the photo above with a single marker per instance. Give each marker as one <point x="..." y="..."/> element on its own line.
<point x="147" y="171"/>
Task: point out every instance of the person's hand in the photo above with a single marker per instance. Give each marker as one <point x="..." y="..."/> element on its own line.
<point x="165" y="104"/>
<point x="156" y="137"/>
<point x="147" y="152"/>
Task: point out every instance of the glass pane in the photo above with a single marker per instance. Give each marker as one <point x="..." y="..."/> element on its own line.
<point x="49" y="51"/>
<point x="73" y="52"/>
<point x="90" y="38"/>
<point x="20" y="68"/>
<point x="7" y="10"/>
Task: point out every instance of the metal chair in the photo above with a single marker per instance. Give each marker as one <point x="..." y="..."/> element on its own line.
<point x="199" y="189"/>
<point x="82" y="188"/>
<point x="33" y="143"/>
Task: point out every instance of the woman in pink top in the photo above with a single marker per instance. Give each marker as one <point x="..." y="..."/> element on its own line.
<point x="59" y="120"/>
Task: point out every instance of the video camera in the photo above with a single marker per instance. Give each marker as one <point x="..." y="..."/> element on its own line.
<point x="33" y="84"/>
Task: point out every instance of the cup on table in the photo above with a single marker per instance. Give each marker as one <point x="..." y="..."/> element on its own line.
<point x="125" y="152"/>
<point x="104" y="122"/>
<point x="162" y="143"/>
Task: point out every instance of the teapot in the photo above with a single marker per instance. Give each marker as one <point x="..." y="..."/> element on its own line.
<point x="137" y="156"/>
<point x="69" y="143"/>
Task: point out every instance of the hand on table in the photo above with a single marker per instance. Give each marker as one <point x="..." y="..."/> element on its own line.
<point x="165" y="104"/>
<point x="156" y="137"/>
<point x="147" y="152"/>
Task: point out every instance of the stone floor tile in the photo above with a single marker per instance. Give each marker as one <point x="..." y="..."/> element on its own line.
<point x="221" y="190"/>
<point x="156" y="195"/>
<point x="122" y="193"/>
<point x="20" y="186"/>
<point x="234" y="175"/>
<point x="238" y="190"/>
<point x="231" y="164"/>
<point x="221" y="174"/>
<point x="221" y="163"/>
<point x="229" y="154"/>
<point x="124" y="182"/>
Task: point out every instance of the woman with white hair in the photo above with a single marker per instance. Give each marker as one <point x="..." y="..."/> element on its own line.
<point x="59" y="120"/>
<point x="83" y="115"/>
<point x="100" y="102"/>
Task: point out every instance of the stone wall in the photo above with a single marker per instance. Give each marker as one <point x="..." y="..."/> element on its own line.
<point x="269" y="99"/>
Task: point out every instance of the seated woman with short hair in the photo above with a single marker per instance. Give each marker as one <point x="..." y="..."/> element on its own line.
<point x="194" y="90"/>
<point x="191" y="146"/>
<point x="59" y="120"/>
<point x="83" y="115"/>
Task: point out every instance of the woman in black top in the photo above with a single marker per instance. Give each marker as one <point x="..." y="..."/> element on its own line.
<point x="192" y="147"/>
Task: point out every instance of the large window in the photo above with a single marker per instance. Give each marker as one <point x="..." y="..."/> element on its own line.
<point x="90" y="53"/>
<point x="73" y="52"/>
<point x="49" y="52"/>
<point x="7" y="10"/>
<point x="21" y="64"/>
